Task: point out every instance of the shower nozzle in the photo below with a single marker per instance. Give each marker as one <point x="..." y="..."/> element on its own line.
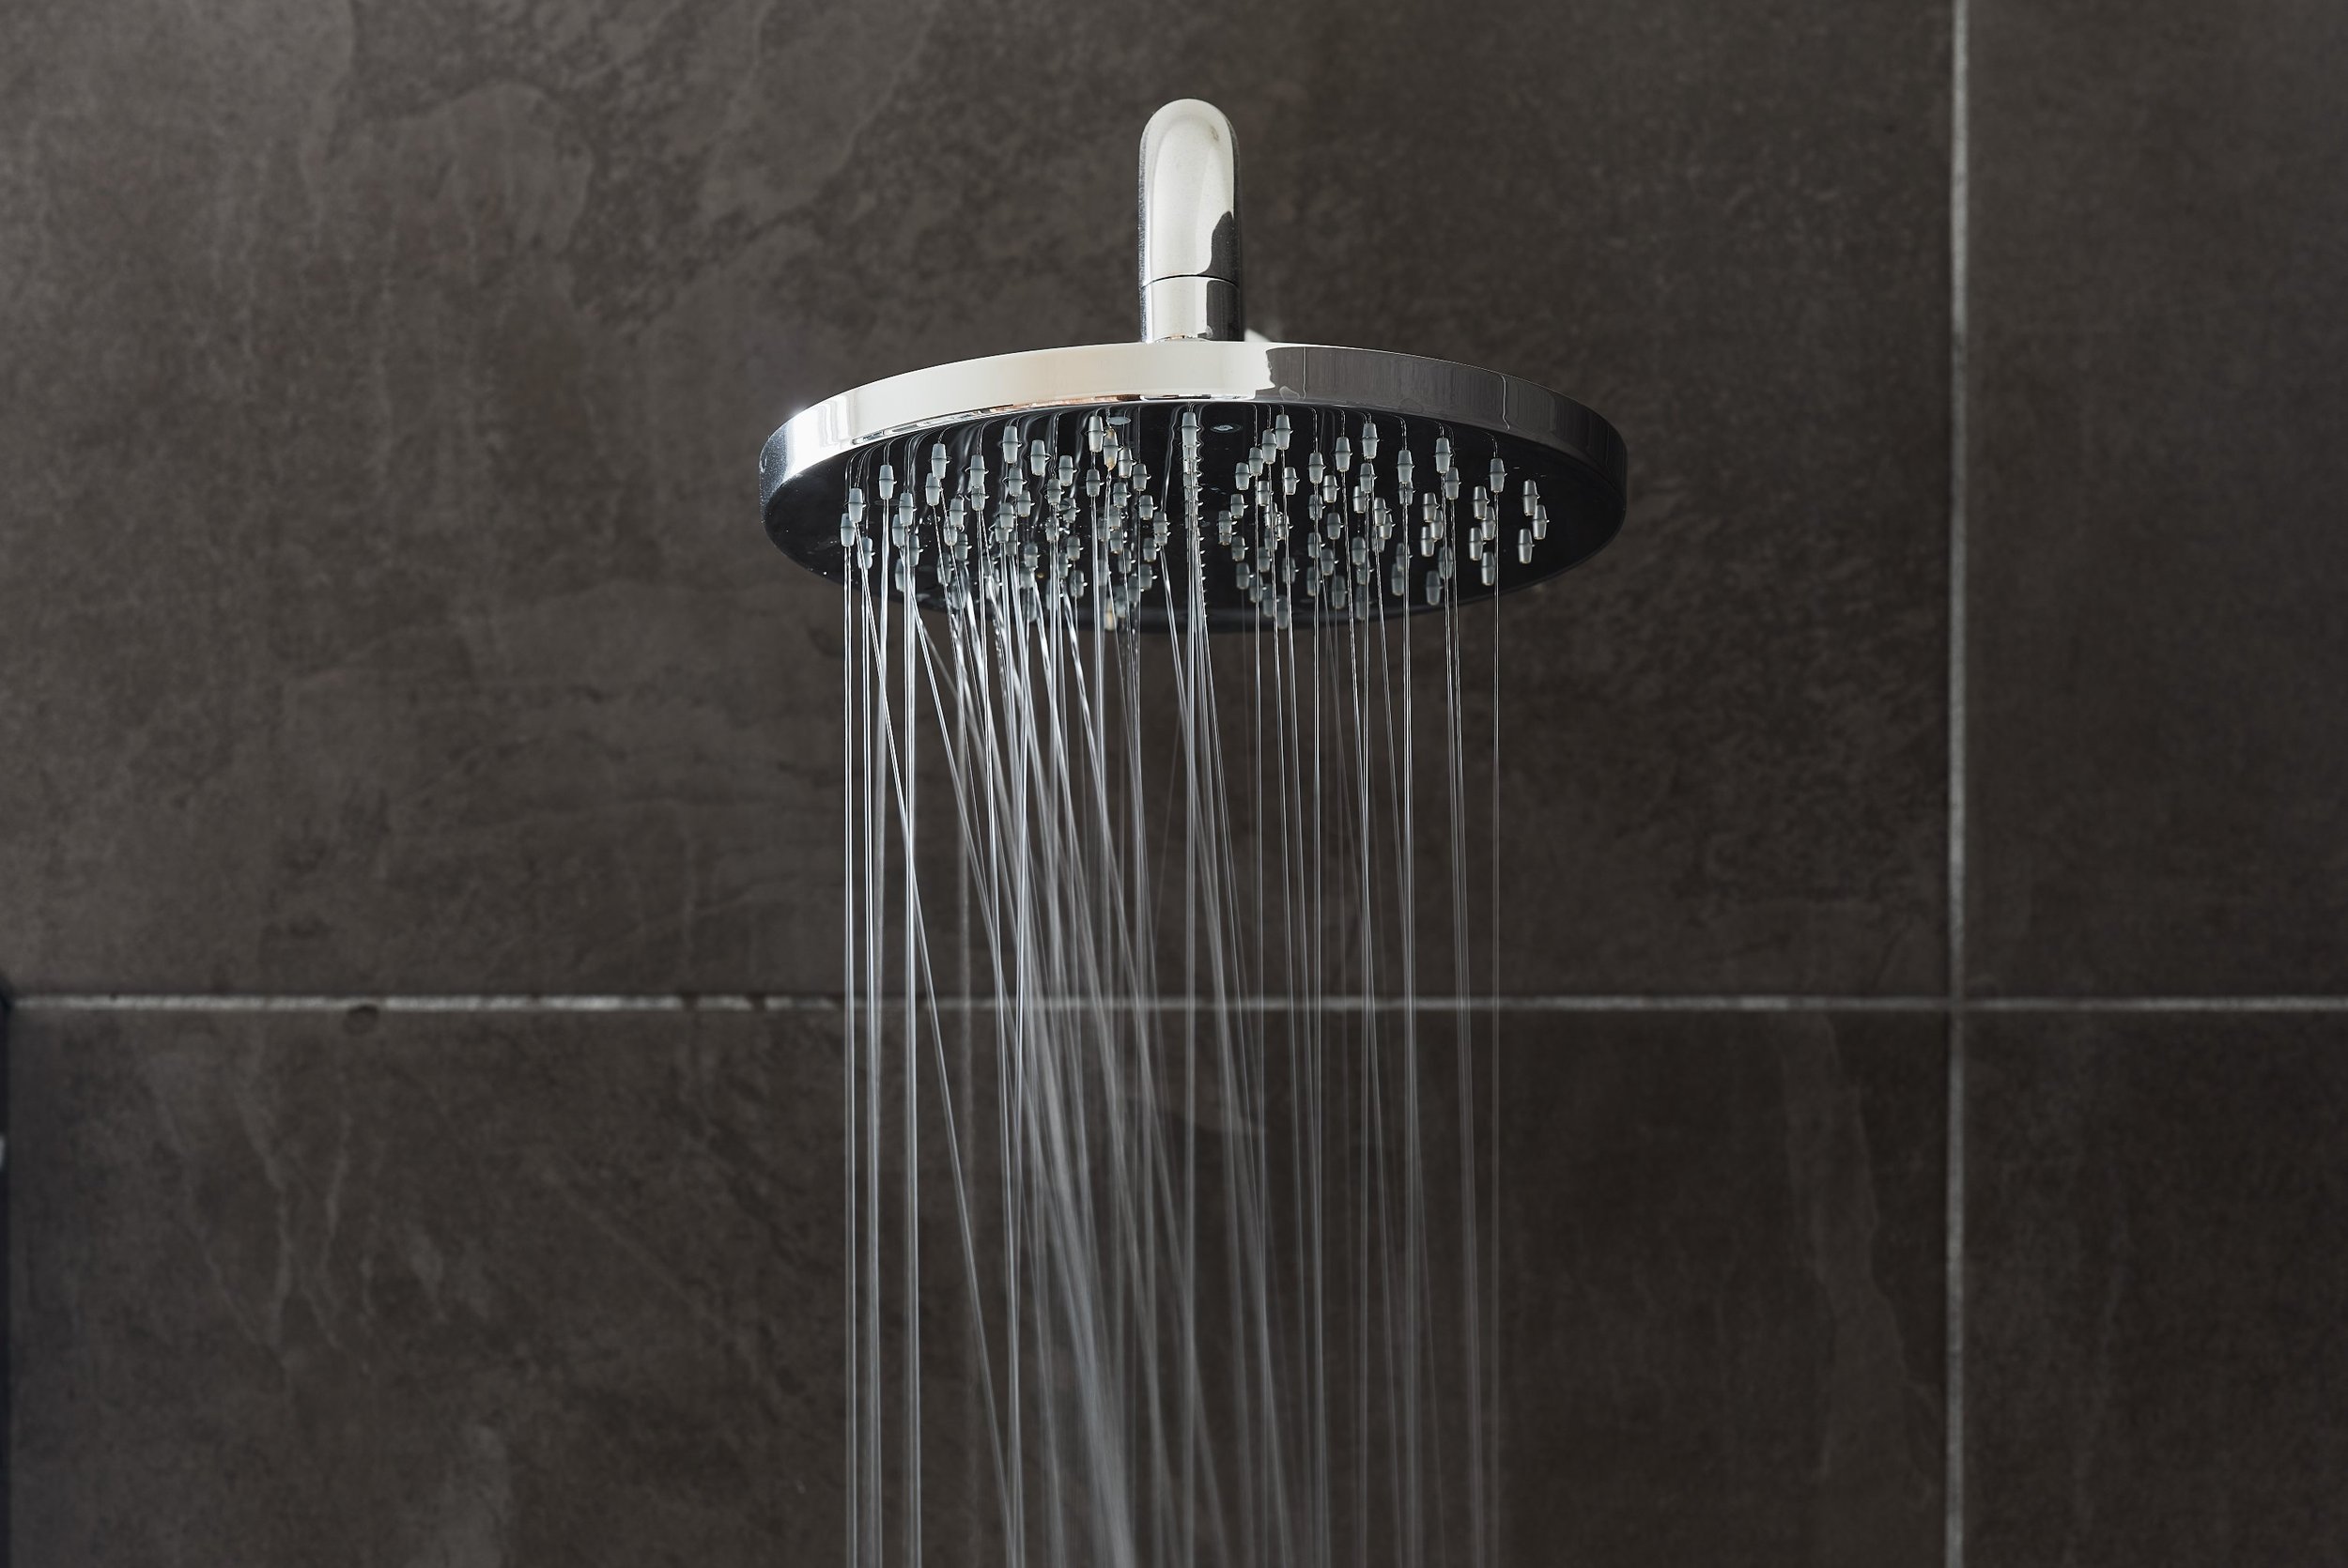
<point x="1197" y="476"/>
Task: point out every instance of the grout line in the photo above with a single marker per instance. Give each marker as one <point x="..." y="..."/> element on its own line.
<point x="2156" y="1005"/>
<point x="1960" y="248"/>
<point x="1954" y="1544"/>
<point x="786" y="1002"/>
<point x="751" y="1002"/>
<point x="1959" y="518"/>
<point x="139" y="1002"/>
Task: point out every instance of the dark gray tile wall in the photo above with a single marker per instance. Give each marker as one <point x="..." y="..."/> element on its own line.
<point x="567" y="1288"/>
<point x="2155" y="299"/>
<point x="371" y="1288"/>
<point x="387" y="607"/>
<point x="1724" y="1288"/>
<point x="2156" y="1289"/>
<point x="383" y="615"/>
<point x="2160" y="331"/>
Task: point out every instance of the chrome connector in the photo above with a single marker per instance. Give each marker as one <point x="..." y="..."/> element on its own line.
<point x="1190" y="261"/>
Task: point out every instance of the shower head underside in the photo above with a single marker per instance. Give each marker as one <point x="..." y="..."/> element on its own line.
<point x="1201" y="473"/>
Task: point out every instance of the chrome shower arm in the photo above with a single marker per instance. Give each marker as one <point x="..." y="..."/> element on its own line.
<point x="1190" y="262"/>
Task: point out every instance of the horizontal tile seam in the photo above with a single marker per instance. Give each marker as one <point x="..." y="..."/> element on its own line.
<point x="830" y="1002"/>
<point x="2277" y="1004"/>
<point x="785" y="1002"/>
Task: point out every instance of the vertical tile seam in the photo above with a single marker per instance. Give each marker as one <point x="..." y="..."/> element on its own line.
<point x="1960" y="171"/>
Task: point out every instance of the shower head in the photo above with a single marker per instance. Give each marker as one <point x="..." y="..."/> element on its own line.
<point x="1202" y="473"/>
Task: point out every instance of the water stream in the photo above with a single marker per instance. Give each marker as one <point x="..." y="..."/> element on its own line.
<point x="1153" y="1109"/>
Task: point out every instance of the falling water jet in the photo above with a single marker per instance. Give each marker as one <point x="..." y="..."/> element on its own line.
<point x="1189" y="1342"/>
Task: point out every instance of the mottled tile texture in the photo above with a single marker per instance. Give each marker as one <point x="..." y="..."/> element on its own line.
<point x="2155" y="1365"/>
<point x="1722" y="1264"/>
<point x="2161" y="342"/>
<point x="385" y="605"/>
<point x="408" y="1289"/>
<point x="558" y="1290"/>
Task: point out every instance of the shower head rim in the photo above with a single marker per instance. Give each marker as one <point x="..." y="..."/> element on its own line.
<point x="1195" y="370"/>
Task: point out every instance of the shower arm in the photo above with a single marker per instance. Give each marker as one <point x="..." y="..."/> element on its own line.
<point x="1190" y="263"/>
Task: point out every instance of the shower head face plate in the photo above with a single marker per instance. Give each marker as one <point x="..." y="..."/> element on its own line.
<point x="1307" y="483"/>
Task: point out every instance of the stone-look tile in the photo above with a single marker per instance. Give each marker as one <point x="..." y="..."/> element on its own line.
<point x="569" y="1289"/>
<point x="1722" y="760"/>
<point x="2161" y="319"/>
<point x="1725" y="1264"/>
<point x="385" y="606"/>
<point x="2155" y="1369"/>
<point x="405" y="1289"/>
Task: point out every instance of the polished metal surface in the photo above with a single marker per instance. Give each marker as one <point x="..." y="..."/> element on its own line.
<point x="1198" y="383"/>
<point x="1191" y="286"/>
<point x="1362" y="381"/>
<point x="1173" y="308"/>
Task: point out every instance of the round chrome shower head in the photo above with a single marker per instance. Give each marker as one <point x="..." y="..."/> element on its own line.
<point x="1198" y="473"/>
